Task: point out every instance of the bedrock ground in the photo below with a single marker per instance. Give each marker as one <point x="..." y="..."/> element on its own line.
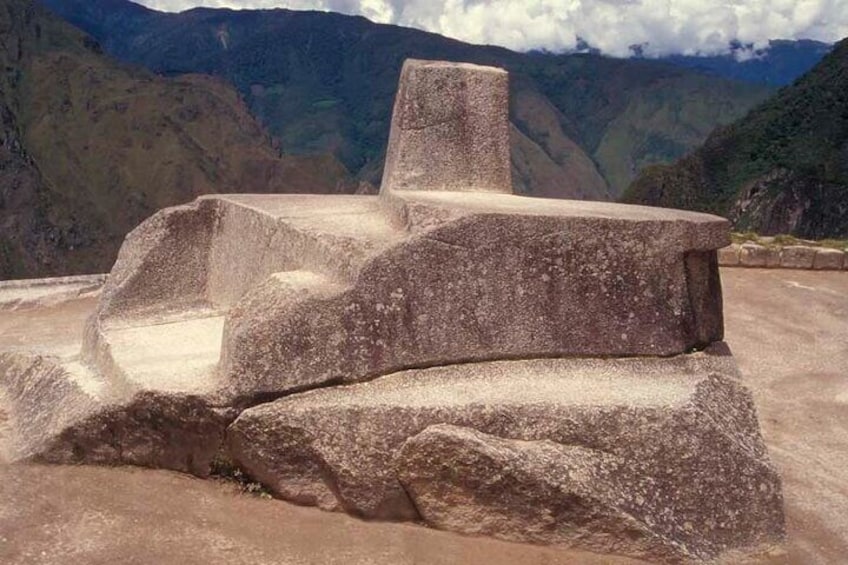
<point x="788" y="331"/>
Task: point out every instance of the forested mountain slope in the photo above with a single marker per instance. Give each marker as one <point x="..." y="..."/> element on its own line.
<point x="324" y="82"/>
<point x="781" y="169"/>
<point x="89" y="147"/>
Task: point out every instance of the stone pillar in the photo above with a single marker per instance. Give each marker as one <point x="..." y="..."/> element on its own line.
<point x="450" y="129"/>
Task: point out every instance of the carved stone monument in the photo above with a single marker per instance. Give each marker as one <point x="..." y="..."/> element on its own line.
<point x="446" y="352"/>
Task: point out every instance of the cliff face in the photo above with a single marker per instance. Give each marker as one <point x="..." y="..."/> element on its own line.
<point x="781" y="169"/>
<point x="27" y="237"/>
<point x="21" y="227"/>
<point x="89" y="147"/>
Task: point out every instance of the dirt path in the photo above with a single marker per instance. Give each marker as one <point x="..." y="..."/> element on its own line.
<point x="788" y="329"/>
<point x="789" y="333"/>
<point x="127" y="516"/>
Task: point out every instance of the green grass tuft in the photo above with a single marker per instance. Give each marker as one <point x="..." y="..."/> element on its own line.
<point x="224" y="469"/>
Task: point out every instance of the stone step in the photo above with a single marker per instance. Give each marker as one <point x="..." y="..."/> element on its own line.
<point x="174" y="357"/>
<point x="257" y="235"/>
<point x="209" y="253"/>
<point x="135" y="400"/>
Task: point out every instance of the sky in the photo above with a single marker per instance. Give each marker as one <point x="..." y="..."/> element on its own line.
<point x="660" y="26"/>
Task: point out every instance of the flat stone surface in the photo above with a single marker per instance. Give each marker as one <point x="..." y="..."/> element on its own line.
<point x="517" y="383"/>
<point x="93" y="515"/>
<point x="17" y="294"/>
<point x="176" y="357"/>
<point x="357" y="217"/>
<point x="702" y="231"/>
<point x="789" y="330"/>
<point x="54" y="330"/>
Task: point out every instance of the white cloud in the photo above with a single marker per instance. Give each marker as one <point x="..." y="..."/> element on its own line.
<point x="661" y="26"/>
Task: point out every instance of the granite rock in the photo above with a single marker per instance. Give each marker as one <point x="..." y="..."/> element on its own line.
<point x="684" y="426"/>
<point x="59" y="415"/>
<point x="450" y="129"/>
<point x="563" y="331"/>
<point x="484" y="286"/>
<point x="530" y="491"/>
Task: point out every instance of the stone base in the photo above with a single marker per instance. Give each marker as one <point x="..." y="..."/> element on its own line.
<point x="676" y="463"/>
<point x="60" y="412"/>
<point x="529" y="491"/>
<point x="607" y="434"/>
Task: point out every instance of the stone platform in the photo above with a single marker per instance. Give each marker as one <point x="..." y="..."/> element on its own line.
<point x="658" y="430"/>
<point x="357" y="352"/>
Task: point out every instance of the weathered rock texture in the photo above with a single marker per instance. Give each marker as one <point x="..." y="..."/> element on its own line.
<point x="62" y="414"/>
<point x="450" y="129"/>
<point x="828" y="259"/>
<point x="569" y="325"/>
<point x="337" y="289"/>
<point x="530" y="491"/>
<point x="682" y="427"/>
<point x="810" y="256"/>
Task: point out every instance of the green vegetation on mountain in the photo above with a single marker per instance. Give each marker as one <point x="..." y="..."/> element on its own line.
<point x="323" y="82"/>
<point x="781" y="169"/>
<point x="783" y="61"/>
<point x="89" y="147"/>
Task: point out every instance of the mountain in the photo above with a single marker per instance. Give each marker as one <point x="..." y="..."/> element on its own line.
<point x="89" y="147"/>
<point x="584" y="125"/>
<point x="781" y="169"/>
<point x="778" y="65"/>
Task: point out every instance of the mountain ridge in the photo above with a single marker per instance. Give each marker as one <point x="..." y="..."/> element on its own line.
<point x="779" y="64"/>
<point x="90" y="146"/>
<point x="783" y="168"/>
<point x="324" y="82"/>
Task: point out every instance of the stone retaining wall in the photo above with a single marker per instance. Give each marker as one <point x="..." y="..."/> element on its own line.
<point x="786" y="257"/>
<point x="25" y="293"/>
